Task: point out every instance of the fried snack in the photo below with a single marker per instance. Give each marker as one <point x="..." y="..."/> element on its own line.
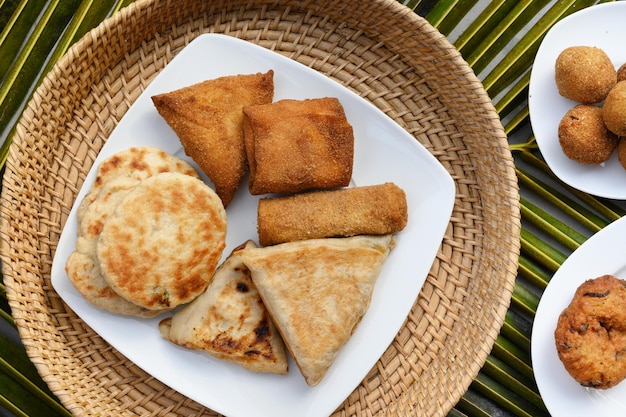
<point x="230" y="322"/>
<point x="317" y="291"/>
<point x="115" y="176"/>
<point x="584" y="74"/>
<point x="590" y="335"/>
<point x="164" y="241"/>
<point x="614" y="109"/>
<point x="621" y="73"/>
<point x="583" y="136"/>
<point x="374" y="210"/>
<point x="621" y="152"/>
<point x="296" y="145"/>
<point x="207" y="118"/>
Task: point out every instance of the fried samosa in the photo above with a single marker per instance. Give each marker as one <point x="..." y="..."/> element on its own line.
<point x="207" y="118"/>
<point x="317" y="292"/>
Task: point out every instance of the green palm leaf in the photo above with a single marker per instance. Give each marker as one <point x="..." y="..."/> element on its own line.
<point x="497" y="38"/>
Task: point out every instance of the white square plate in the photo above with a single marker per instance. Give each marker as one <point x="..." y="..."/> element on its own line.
<point x="383" y="152"/>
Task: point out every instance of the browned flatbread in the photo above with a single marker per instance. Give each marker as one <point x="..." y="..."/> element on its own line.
<point x="164" y="241"/>
<point x="230" y="322"/>
<point x="297" y="145"/>
<point x="139" y="162"/>
<point x="367" y="210"/>
<point x="317" y="291"/>
<point x="116" y="176"/>
<point x="207" y="118"/>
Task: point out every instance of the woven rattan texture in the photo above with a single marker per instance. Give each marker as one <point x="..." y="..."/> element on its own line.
<point x="379" y="49"/>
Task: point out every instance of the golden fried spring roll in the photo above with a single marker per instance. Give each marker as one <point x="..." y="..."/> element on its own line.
<point x="296" y="145"/>
<point x="367" y="210"/>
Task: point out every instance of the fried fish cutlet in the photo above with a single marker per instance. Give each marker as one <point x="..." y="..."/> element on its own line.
<point x="584" y="74"/>
<point x="207" y="118"/>
<point x="230" y="322"/>
<point x="367" y="210"/>
<point x="590" y="335"/>
<point x="584" y="137"/>
<point x="164" y="241"/>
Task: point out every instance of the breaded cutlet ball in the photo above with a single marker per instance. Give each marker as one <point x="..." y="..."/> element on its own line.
<point x="590" y="335"/>
<point x="621" y="73"/>
<point x="614" y="109"/>
<point x="621" y="152"/>
<point x="584" y="137"/>
<point x="584" y="74"/>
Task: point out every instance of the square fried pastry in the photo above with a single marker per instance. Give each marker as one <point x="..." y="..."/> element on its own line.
<point x="207" y="118"/>
<point x="230" y="322"/>
<point x="296" y="145"/>
<point x="317" y="292"/>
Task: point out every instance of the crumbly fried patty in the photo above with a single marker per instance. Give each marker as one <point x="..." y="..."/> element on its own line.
<point x="584" y="74"/>
<point x="621" y="73"/>
<point x="584" y="137"/>
<point x="614" y="109"/>
<point x="164" y="241"/>
<point x="591" y="333"/>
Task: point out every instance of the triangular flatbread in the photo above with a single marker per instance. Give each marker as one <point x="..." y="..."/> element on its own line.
<point x="317" y="291"/>
<point x="208" y="119"/>
<point x="230" y="322"/>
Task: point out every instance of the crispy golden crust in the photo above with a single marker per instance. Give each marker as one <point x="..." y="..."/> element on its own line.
<point x="621" y="152"/>
<point x="614" y="109"/>
<point x="368" y="210"/>
<point x="296" y="145"/>
<point x="230" y="322"/>
<point x="591" y="333"/>
<point x="207" y="118"/>
<point x="584" y="74"/>
<point x="162" y="244"/>
<point x="621" y="73"/>
<point x="583" y="136"/>
<point x="317" y="291"/>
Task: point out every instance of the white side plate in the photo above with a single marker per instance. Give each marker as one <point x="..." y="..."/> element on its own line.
<point x="602" y="26"/>
<point x="601" y="254"/>
<point x="383" y="152"/>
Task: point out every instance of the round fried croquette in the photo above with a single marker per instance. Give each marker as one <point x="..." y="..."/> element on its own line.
<point x="621" y="73"/>
<point x="584" y="137"/>
<point x="621" y="152"/>
<point x="584" y="74"/>
<point x="614" y="109"/>
<point x="590" y="335"/>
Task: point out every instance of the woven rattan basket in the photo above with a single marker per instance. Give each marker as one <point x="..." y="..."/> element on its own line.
<point x="378" y="48"/>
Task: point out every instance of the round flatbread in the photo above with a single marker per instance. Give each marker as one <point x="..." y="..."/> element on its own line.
<point x="116" y="175"/>
<point x="85" y="275"/>
<point x="164" y="241"/>
<point x="140" y="163"/>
